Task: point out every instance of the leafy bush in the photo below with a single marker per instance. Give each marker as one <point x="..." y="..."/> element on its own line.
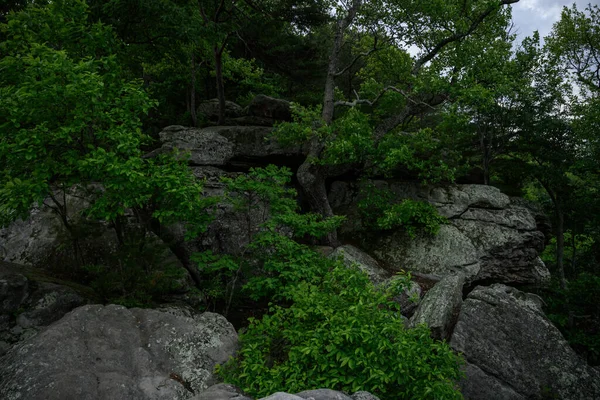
<point x="346" y="335"/>
<point x="273" y="262"/>
<point x="139" y="274"/>
<point x="378" y="211"/>
<point x="576" y="312"/>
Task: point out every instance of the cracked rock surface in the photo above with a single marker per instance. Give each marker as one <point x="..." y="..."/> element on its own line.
<point x="513" y="351"/>
<point x="109" y="352"/>
<point x="488" y="237"/>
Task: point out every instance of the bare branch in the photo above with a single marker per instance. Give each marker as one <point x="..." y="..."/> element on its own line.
<point x="358" y="57"/>
<point x="456" y="37"/>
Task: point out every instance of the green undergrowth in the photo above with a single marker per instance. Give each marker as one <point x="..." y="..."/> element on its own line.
<point x="327" y="325"/>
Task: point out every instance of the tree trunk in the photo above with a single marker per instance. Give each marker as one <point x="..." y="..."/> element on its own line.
<point x="485" y="158"/>
<point x="312" y="177"/>
<point x="193" y="94"/>
<point x="560" y="247"/>
<point x="573" y="253"/>
<point x="218" y="53"/>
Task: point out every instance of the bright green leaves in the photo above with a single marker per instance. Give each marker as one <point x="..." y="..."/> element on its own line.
<point x="352" y="141"/>
<point x="69" y="118"/>
<point x="379" y="211"/>
<point x="576" y="40"/>
<point x="343" y="334"/>
<point x="275" y="259"/>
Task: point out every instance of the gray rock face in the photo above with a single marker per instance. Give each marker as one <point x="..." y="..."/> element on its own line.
<point x="209" y="109"/>
<point x="364" y="396"/>
<point x="488" y="236"/>
<point x="13" y="291"/>
<point x="221" y="391"/>
<point x="38" y="240"/>
<point x="323" y="394"/>
<point x="268" y="107"/>
<point x="48" y="303"/>
<point x="110" y="352"/>
<point x="514" y="352"/>
<point x="439" y="307"/>
<point x="352" y="256"/>
<point x="282" y="396"/>
<point x="223" y="145"/>
<point x="27" y="306"/>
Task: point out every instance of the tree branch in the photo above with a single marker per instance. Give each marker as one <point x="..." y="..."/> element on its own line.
<point x="456" y="37"/>
<point x="358" y="57"/>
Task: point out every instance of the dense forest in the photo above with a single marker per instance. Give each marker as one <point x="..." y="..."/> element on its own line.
<point x="434" y="91"/>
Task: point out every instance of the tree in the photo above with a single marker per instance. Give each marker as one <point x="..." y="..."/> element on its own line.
<point x="69" y="119"/>
<point x="438" y="29"/>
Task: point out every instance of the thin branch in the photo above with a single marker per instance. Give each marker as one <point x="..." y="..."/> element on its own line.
<point x="456" y="37"/>
<point x="358" y="57"/>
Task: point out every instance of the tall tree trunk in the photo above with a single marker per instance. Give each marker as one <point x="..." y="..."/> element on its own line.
<point x="218" y="53"/>
<point x="560" y="246"/>
<point x="312" y="177"/>
<point x="573" y="252"/>
<point x="193" y="94"/>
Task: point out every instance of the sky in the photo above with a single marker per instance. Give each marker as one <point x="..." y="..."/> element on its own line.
<point x="540" y="15"/>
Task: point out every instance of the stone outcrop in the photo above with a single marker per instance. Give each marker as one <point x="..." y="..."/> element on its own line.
<point x="352" y="256"/>
<point x="262" y="111"/>
<point x="270" y="108"/>
<point x="27" y="305"/>
<point x="231" y="146"/>
<point x="440" y="306"/>
<point x="209" y="110"/>
<point x="222" y="391"/>
<point x="230" y="392"/>
<point x="487" y="237"/>
<point x="513" y="351"/>
<point x="110" y="352"/>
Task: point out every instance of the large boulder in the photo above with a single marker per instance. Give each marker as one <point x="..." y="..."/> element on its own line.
<point x="209" y="110"/>
<point x="440" y="306"/>
<point x="320" y="394"/>
<point x="43" y="240"/>
<point x="27" y="305"/>
<point x="352" y="256"/>
<point x="488" y="237"/>
<point x="514" y="352"/>
<point x="111" y="352"/>
<point x="221" y="391"/>
<point x="233" y="146"/>
<point x="268" y="107"/>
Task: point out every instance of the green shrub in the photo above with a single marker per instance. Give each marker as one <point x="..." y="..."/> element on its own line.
<point x="576" y="312"/>
<point x="273" y="262"/>
<point x="379" y="212"/>
<point x="346" y="335"/>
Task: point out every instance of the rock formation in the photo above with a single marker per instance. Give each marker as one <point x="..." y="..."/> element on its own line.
<point x="110" y="352"/>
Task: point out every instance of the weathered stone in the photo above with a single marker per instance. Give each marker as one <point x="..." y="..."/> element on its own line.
<point x="514" y="352"/>
<point x="409" y="299"/>
<point x="322" y="394"/>
<point x="364" y="396"/>
<point x="269" y="107"/>
<point x="440" y="305"/>
<point x="48" y="303"/>
<point x="487" y="238"/>
<point x="13" y="291"/>
<point x="221" y="391"/>
<point x="240" y="146"/>
<point x="282" y="396"/>
<point x="209" y="109"/>
<point x="352" y="256"/>
<point x="110" y="352"/>
<point x="448" y="251"/>
<point x="42" y="238"/>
